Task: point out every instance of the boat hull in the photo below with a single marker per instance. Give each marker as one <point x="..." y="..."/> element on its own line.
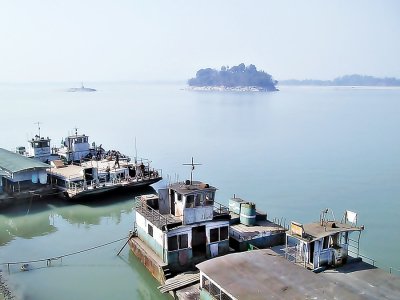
<point x="89" y="193"/>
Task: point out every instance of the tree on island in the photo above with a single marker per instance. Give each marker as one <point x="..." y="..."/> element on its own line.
<point x="236" y="76"/>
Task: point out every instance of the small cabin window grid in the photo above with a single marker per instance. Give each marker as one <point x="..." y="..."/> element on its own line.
<point x="218" y="234"/>
<point x="213" y="289"/>
<point x="178" y="242"/>
<point x="150" y="229"/>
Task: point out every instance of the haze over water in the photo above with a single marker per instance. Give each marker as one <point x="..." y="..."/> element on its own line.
<point x="294" y="153"/>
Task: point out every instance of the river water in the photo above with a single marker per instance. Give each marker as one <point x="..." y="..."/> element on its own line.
<point x="294" y="153"/>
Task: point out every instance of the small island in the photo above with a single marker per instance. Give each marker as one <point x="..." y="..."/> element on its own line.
<point x="237" y="78"/>
<point x="346" y="80"/>
<point x="81" y="89"/>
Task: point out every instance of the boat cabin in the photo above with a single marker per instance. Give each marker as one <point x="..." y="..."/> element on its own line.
<point x="324" y="243"/>
<point x="75" y="147"/>
<point x="182" y="225"/>
<point x="38" y="148"/>
<point x="20" y="174"/>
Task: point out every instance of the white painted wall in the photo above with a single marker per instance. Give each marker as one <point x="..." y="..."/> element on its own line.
<point x="143" y="223"/>
<point x="27" y="175"/>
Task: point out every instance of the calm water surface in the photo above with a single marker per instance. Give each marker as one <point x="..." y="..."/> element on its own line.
<point x="293" y="153"/>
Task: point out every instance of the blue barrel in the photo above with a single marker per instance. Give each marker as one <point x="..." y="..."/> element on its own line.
<point x="248" y="214"/>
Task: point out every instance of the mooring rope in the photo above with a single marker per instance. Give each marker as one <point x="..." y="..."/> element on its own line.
<point x="64" y="255"/>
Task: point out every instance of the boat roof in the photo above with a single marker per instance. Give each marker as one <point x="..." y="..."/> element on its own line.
<point x="255" y="274"/>
<point x="315" y="231"/>
<point x="191" y="188"/>
<point x="74" y="136"/>
<point x="14" y="162"/>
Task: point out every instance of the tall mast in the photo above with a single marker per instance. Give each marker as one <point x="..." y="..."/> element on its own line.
<point x="38" y="124"/>
<point x="193" y="164"/>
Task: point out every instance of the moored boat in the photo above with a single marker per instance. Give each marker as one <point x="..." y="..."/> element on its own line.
<point x="93" y="177"/>
<point x="79" y="169"/>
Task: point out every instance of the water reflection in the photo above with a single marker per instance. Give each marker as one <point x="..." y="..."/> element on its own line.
<point x="146" y="284"/>
<point x="26" y="227"/>
<point x="36" y="219"/>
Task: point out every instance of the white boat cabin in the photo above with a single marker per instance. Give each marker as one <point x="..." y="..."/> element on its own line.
<point x="324" y="243"/>
<point x="183" y="225"/>
<point x="76" y="147"/>
<point x="38" y="148"/>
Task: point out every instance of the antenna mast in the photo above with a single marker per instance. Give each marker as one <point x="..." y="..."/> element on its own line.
<point x="191" y="172"/>
<point x="135" y="152"/>
<point x="38" y="124"/>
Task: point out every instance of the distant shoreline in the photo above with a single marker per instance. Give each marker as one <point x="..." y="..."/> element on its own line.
<point x="355" y="87"/>
<point x="229" y="89"/>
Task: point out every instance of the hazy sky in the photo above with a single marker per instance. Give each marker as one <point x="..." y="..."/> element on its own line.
<point x="92" y="40"/>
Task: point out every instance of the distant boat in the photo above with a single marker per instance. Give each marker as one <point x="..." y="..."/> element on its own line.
<point x="81" y="89"/>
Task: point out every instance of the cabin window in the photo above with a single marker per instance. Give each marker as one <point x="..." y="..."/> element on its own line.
<point x="223" y="233"/>
<point x="150" y="229"/>
<point x="189" y="202"/>
<point x="178" y="242"/>
<point x="214" y="235"/>
<point x="182" y="241"/>
<point x="173" y="243"/>
<point x="326" y="242"/>
<point x="190" y="199"/>
<point x="179" y="197"/>
<point x="198" y="200"/>
<point x="209" y="199"/>
<point x="218" y="234"/>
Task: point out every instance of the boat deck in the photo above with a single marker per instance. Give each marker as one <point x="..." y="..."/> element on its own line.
<point x="260" y="229"/>
<point x="154" y="216"/>
<point x="70" y="171"/>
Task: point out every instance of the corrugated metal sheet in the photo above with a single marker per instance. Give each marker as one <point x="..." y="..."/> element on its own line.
<point x="14" y="162"/>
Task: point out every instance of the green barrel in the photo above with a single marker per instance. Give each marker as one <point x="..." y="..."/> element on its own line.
<point x="248" y="214"/>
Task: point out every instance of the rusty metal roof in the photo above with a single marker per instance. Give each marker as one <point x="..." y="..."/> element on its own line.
<point x="195" y="186"/>
<point x="315" y="231"/>
<point x="263" y="274"/>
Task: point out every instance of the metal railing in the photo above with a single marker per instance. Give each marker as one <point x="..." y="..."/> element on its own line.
<point x="154" y="216"/>
<point x="220" y="208"/>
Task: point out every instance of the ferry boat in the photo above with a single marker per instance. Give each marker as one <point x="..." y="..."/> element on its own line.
<point x="79" y="169"/>
<point x="93" y="177"/>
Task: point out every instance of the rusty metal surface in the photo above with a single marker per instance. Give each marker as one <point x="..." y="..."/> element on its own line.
<point x="148" y="259"/>
<point x="185" y="189"/>
<point x="262" y="274"/>
<point x="360" y="277"/>
<point x="316" y="231"/>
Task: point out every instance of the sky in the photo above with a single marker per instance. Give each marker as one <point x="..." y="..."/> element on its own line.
<point x="165" y="40"/>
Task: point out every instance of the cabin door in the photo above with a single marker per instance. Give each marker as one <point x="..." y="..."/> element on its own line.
<point x="199" y="241"/>
<point x="172" y="202"/>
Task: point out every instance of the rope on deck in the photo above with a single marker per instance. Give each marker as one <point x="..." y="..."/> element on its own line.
<point x="48" y="260"/>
